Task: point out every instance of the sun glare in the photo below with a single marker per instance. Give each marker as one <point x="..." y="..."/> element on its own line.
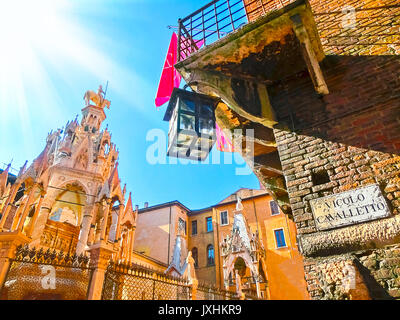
<point x="44" y="39"/>
<point x="24" y="26"/>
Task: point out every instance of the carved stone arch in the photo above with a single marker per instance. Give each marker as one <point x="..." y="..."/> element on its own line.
<point x="77" y="182"/>
<point x="84" y="196"/>
<point x="230" y="264"/>
<point x="116" y="195"/>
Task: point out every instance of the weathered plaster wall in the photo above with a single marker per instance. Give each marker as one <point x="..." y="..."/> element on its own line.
<point x="156" y="234"/>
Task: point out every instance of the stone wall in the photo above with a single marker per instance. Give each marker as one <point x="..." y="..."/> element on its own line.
<point x="376" y="275"/>
<point x="384" y="266"/>
<point x="347" y="167"/>
<point x="336" y="279"/>
<point x="345" y="140"/>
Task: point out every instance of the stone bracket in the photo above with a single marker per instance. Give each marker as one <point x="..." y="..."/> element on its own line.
<point x="309" y="55"/>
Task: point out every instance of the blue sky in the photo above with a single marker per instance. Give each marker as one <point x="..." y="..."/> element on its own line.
<point x="55" y="50"/>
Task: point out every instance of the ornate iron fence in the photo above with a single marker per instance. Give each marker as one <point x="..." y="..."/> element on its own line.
<point x="208" y="292"/>
<point x="46" y="275"/>
<point x="134" y="282"/>
<point x="216" y="20"/>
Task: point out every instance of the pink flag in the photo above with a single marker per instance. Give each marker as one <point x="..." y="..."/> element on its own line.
<point x="170" y="78"/>
<point x="223" y="143"/>
<point x="186" y="48"/>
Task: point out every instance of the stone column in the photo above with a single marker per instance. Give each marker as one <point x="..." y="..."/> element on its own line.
<point x="17" y="216"/>
<point x="7" y="205"/>
<point x="9" y="241"/>
<point x="85" y="228"/>
<point x="258" y="289"/>
<point x="105" y="220"/>
<point x="27" y="207"/>
<point x="194" y="285"/>
<point x="35" y="216"/>
<point x="131" y="240"/>
<point x="120" y="214"/>
<point x="41" y="220"/>
<point x="100" y="255"/>
<point x="91" y="236"/>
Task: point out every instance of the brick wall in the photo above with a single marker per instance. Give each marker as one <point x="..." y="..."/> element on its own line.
<point x="347" y="168"/>
<point x="362" y="109"/>
<point x="376" y="32"/>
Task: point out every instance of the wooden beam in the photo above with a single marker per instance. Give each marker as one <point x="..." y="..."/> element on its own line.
<point x="309" y="55"/>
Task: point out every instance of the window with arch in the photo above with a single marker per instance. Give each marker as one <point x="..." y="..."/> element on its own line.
<point x="210" y="255"/>
<point x="195" y="255"/>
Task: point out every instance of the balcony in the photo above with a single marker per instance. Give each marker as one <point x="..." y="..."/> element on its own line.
<point x="216" y="20"/>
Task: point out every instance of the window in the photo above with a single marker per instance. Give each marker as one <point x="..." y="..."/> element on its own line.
<point x="182" y="225"/>
<point x="274" y="208"/>
<point x="194" y="227"/>
<point x="224" y="218"/>
<point x="280" y="238"/>
<point x="195" y="256"/>
<point x="209" y="226"/>
<point x="210" y="255"/>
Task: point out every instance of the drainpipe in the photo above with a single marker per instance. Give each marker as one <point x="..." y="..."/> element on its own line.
<point x="169" y="233"/>
<point x="255" y="213"/>
<point x="219" y="254"/>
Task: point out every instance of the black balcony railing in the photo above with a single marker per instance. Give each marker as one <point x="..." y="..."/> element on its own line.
<point x="216" y="20"/>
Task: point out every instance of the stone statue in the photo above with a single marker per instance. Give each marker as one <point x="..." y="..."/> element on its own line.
<point x="239" y="205"/>
<point x="190" y="269"/>
<point x="239" y="286"/>
<point x="98" y="98"/>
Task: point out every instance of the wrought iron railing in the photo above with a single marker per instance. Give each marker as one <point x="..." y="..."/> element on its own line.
<point x="216" y="20"/>
<point x="46" y="275"/>
<point x="210" y="292"/>
<point x="135" y="282"/>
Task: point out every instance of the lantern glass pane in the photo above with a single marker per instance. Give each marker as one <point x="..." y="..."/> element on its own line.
<point x="171" y="137"/>
<point x="184" y="139"/>
<point x="206" y="126"/>
<point x="188" y="105"/>
<point x="172" y="123"/>
<point x="187" y="122"/>
<point x="206" y="111"/>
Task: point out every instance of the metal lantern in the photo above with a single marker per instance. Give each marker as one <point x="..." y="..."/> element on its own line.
<point x="191" y="125"/>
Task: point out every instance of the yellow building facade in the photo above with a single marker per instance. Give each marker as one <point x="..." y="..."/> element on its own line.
<point x="277" y="264"/>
